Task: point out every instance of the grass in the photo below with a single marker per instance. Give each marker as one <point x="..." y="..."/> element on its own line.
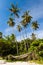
<point x="1" y="58"/>
<point x="37" y="61"/>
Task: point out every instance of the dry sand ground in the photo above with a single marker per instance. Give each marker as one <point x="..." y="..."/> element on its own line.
<point x="2" y="62"/>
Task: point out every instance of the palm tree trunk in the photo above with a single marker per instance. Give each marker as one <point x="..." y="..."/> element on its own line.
<point x="20" y="38"/>
<point x="25" y="33"/>
<point x="26" y="41"/>
<point x="16" y="43"/>
<point x="17" y="47"/>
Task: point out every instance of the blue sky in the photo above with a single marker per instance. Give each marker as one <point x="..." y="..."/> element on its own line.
<point x="36" y="11"/>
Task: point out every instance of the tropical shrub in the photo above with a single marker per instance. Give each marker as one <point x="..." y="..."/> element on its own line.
<point x="40" y="46"/>
<point x="41" y="53"/>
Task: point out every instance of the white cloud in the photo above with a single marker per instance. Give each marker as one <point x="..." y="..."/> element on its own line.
<point x="39" y="34"/>
<point x="9" y="30"/>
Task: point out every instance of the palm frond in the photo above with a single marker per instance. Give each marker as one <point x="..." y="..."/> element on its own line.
<point x="10" y="9"/>
<point x="13" y="6"/>
<point x="17" y="15"/>
<point x="35" y="25"/>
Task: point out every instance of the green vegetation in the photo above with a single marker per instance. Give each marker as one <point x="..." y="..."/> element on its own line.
<point x="11" y="49"/>
<point x="8" y="48"/>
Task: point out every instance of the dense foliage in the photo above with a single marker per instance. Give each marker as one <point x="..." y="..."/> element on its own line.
<point x="8" y="45"/>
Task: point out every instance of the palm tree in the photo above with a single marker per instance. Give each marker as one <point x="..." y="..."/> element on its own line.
<point x="19" y="28"/>
<point x="35" y="26"/>
<point x="0" y="34"/>
<point x="11" y="23"/>
<point x="12" y="38"/>
<point x="26" y="17"/>
<point x="26" y="20"/>
<point x="14" y="10"/>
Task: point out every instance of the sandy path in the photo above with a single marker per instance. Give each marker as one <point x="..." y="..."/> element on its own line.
<point x="16" y="63"/>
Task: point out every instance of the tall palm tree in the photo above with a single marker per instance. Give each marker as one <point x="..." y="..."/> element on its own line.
<point x="26" y="20"/>
<point x="19" y="28"/>
<point x="26" y="17"/>
<point x="14" y="10"/>
<point x="24" y="24"/>
<point x="11" y="23"/>
<point x="35" y="26"/>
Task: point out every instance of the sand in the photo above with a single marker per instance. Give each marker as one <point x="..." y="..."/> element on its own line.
<point x="3" y="62"/>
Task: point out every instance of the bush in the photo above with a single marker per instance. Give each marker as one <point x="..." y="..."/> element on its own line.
<point x="41" y="53"/>
<point x="41" y="46"/>
<point x="35" y="43"/>
<point x="32" y="48"/>
<point x="33" y="56"/>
